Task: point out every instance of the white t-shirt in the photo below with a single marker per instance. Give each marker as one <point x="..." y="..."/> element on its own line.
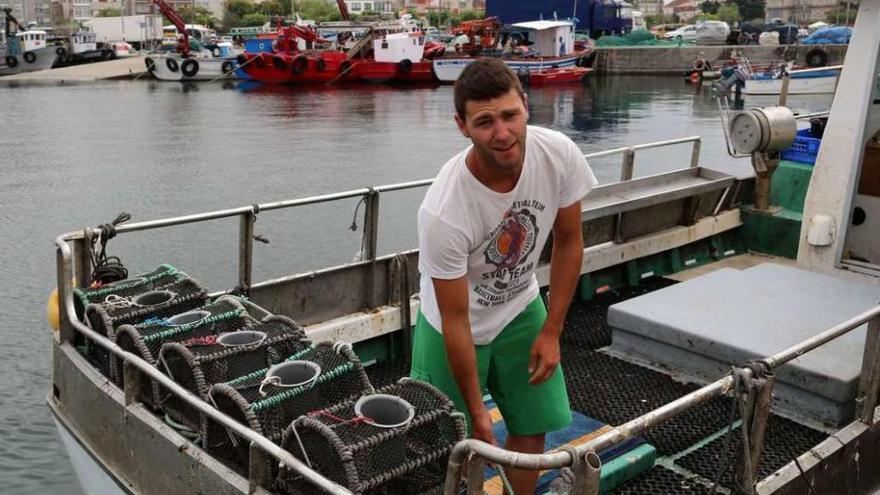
<point x="496" y="238"/>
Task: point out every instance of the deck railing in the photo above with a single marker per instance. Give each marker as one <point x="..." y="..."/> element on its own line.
<point x="73" y="257"/>
<point x="584" y="459"/>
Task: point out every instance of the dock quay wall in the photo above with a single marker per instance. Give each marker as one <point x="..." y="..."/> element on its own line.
<point x="674" y="60"/>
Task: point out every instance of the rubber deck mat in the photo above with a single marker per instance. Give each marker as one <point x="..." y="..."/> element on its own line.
<point x="785" y="440"/>
<point x="660" y="481"/>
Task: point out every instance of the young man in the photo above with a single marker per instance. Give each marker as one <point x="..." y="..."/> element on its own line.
<point x="482" y="226"/>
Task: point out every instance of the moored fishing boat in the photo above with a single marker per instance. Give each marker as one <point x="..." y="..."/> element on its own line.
<point x="25" y="50"/>
<point x="525" y="47"/>
<point x="563" y="75"/>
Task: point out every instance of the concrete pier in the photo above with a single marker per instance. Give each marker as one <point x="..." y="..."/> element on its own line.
<point x="124" y="68"/>
<point x="666" y="60"/>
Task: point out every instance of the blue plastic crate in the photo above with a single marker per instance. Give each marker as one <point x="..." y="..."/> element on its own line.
<point x="804" y="149"/>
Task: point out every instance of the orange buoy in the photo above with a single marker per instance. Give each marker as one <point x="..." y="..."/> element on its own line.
<point x="695" y="77"/>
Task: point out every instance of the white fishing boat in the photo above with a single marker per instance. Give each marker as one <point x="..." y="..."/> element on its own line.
<point x="25" y="51"/>
<point x="800" y="82"/>
<point x="198" y="66"/>
<point x="525" y="47"/>
<point x="724" y="336"/>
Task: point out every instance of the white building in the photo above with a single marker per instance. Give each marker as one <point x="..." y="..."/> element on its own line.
<point x="801" y="11"/>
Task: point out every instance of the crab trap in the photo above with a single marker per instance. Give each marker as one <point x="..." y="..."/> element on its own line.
<point x="201" y="361"/>
<point x="145" y="339"/>
<point x="132" y="286"/>
<point x="268" y="400"/>
<point x="395" y="441"/>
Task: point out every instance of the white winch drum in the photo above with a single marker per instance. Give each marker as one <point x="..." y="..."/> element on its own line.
<point x="385" y="411"/>
<point x="242" y="337"/>
<point x="153" y="298"/>
<point x="779" y="128"/>
<point x="294" y="373"/>
<point x="188" y="318"/>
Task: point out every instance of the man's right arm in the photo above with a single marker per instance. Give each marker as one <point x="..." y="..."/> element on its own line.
<point x="452" y="301"/>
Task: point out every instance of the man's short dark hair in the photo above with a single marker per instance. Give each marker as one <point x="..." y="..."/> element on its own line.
<point x="484" y="79"/>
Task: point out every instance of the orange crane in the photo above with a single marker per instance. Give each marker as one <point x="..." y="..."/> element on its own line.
<point x="487" y="29"/>
<point x="178" y="22"/>
<point x="343" y="10"/>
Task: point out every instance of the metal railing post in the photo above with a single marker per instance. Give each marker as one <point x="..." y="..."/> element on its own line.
<point x="82" y="249"/>
<point x="587" y="470"/>
<point x="258" y="469"/>
<point x="695" y="153"/>
<point x="869" y="381"/>
<point x="66" y="331"/>
<point x="758" y="427"/>
<point x="246" y="249"/>
<point x="783" y="93"/>
<point x="371" y="225"/>
<point x="476" y="467"/>
<point x="131" y="382"/>
<point x="628" y="165"/>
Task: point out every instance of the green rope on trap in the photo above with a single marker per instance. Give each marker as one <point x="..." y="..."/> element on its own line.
<point x="259" y="373"/>
<point x="185" y="328"/>
<point x="182" y="429"/>
<point x="169" y="270"/>
<point x="275" y="400"/>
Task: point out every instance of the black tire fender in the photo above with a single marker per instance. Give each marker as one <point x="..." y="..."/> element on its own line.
<point x="172" y="64"/>
<point x="61" y="52"/>
<point x="299" y="64"/>
<point x="260" y="62"/>
<point x="189" y="67"/>
<point x="30" y="57"/>
<point x="11" y="61"/>
<point x="405" y="66"/>
<point x="227" y="67"/>
<point x="150" y="64"/>
<point x="344" y="66"/>
<point x="279" y="63"/>
<point x="321" y="65"/>
<point x="817" y="57"/>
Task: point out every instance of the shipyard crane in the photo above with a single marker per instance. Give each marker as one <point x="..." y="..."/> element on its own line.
<point x="343" y="10"/>
<point x="178" y="22"/>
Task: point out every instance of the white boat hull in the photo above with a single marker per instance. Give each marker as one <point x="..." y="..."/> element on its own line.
<point x="90" y="474"/>
<point x="805" y="86"/>
<point x="43" y="59"/>
<point x="171" y="68"/>
<point x="448" y="69"/>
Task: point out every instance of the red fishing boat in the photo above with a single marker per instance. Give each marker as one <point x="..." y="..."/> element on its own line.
<point x="561" y="75"/>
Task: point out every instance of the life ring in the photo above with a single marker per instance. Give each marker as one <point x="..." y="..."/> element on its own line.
<point x="171" y="64"/>
<point x="30" y="57"/>
<point x="700" y="65"/>
<point x="227" y="67"/>
<point x="817" y="57"/>
<point x="405" y="66"/>
<point x="190" y="67"/>
<point x="150" y="63"/>
<point x="344" y="66"/>
<point x="321" y="65"/>
<point x="299" y="65"/>
<point x="61" y="52"/>
<point x="11" y="61"/>
<point x="279" y="63"/>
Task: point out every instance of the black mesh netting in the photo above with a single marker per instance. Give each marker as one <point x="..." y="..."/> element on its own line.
<point x="269" y="407"/>
<point x="784" y="440"/>
<point x="180" y="296"/>
<point x="201" y="361"/>
<point x="137" y="284"/>
<point x="354" y="451"/>
<point x="226" y="314"/>
<point x="661" y="481"/>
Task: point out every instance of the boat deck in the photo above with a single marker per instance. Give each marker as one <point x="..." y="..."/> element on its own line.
<point x="691" y="447"/>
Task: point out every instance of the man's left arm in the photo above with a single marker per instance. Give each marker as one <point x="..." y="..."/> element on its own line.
<point x="565" y="269"/>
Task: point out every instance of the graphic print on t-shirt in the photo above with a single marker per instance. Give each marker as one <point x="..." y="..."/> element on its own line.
<point x="508" y="250"/>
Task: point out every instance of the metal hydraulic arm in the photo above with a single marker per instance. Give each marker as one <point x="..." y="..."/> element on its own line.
<point x="10" y="21"/>
<point x="343" y="10"/>
<point x="178" y="22"/>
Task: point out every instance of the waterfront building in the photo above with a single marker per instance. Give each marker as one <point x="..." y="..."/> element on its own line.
<point x="26" y="11"/>
<point x="649" y="7"/>
<point x="422" y="6"/>
<point x="801" y="11"/>
<point x="360" y="6"/>
<point x="684" y="9"/>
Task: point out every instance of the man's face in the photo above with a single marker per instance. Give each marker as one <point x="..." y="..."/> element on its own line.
<point x="497" y="127"/>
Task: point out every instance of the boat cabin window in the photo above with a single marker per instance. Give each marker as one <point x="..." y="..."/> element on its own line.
<point x="384" y="44"/>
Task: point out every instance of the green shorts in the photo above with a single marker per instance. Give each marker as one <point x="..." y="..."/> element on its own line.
<point x="503" y="369"/>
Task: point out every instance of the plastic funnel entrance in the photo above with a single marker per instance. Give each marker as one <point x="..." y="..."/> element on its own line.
<point x="293" y="373"/>
<point x="153" y="298"/>
<point x="188" y="318"/>
<point x="385" y="411"/>
<point x="244" y="337"/>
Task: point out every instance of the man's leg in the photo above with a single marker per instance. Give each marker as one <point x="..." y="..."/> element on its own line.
<point x="523" y="481"/>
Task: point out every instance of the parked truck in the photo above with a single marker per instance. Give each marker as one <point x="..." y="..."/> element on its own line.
<point x="594" y="17"/>
<point x="138" y="30"/>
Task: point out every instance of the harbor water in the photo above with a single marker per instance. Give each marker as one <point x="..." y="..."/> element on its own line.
<point x="76" y="156"/>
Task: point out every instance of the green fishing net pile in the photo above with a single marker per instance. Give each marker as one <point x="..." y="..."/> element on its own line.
<point x="639" y="37"/>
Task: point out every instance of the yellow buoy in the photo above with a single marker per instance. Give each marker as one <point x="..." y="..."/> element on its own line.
<point x="52" y="310"/>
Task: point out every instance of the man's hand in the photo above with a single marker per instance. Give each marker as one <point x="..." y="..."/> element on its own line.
<point x="544" y="357"/>
<point x="482" y="423"/>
